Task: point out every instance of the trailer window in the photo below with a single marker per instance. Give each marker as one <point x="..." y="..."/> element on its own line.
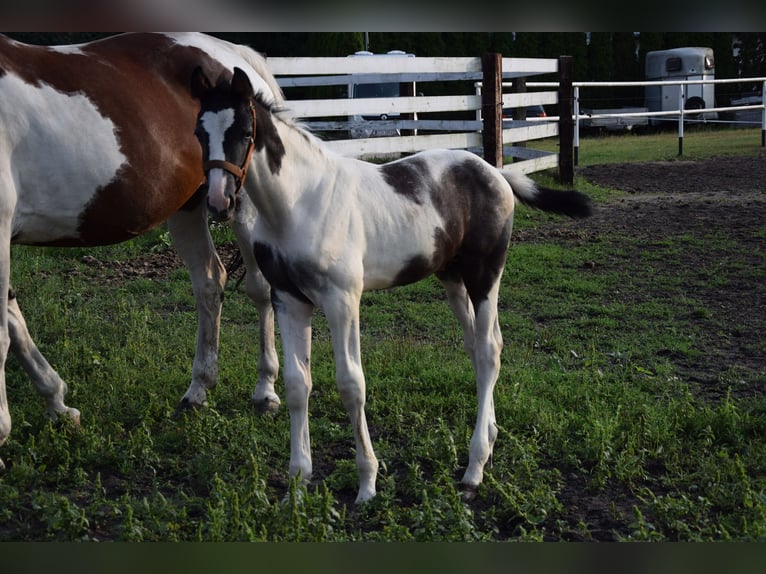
<point x="673" y="65"/>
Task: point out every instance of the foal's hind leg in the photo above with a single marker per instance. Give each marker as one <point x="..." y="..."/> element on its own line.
<point x="192" y="240"/>
<point x="463" y="308"/>
<point x="264" y="398"/>
<point x="488" y="345"/>
<point x="46" y="380"/>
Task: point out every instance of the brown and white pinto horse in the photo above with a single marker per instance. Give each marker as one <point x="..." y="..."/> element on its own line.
<point x="331" y="227"/>
<point x="97" y="146"/>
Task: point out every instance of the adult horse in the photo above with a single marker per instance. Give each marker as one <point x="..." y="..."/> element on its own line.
<point x="330" y="227"/>
<point x="97" y="147"/>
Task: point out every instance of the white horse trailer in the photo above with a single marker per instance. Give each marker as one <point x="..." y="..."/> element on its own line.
<point x="680" y="64"/>
<point x="377" y="89"/>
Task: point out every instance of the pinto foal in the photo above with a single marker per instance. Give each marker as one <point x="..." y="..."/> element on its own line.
<point x="331" y="227"/>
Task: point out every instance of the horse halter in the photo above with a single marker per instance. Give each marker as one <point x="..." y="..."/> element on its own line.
<point x="238" y="172"/>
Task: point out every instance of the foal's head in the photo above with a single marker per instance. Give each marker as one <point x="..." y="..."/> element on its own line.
<point x="226" y="132"/>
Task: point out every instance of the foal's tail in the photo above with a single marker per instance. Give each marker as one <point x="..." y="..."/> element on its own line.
<point x="568" y="202"/>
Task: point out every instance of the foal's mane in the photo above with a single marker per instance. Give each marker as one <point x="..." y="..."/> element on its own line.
<point x="282" y="114"/>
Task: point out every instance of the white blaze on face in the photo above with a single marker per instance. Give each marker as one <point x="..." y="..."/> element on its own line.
<point x="215" y="125"/>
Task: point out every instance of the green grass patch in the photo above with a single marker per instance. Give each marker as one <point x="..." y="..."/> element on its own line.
<point x="600" y="437"/>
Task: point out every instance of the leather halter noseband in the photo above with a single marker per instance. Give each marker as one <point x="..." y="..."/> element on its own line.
<point x="238" y="172"/>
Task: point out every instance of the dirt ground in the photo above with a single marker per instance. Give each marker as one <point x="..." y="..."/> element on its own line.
<point x="720" y="202"/>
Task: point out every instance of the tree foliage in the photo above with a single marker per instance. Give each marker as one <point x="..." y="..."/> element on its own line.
<point x="597" y="56"/>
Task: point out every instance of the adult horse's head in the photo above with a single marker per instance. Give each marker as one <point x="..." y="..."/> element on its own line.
<point x="226" y="132"/>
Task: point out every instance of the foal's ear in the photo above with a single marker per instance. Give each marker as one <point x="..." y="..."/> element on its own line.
<point x="200" y="84"/>
<point x="241" y="86"/>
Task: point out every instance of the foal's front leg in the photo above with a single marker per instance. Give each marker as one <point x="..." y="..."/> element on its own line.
<point x="294" y="318"/>
<point x="264" y="398"/>
<point x="342" y="313"/>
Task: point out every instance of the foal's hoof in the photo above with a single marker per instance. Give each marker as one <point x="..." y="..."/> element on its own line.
<point x="266" y="406"/>
<point x="72" y="415"/>
<point x="68" y="416"/>
<point x="468" y="493"/>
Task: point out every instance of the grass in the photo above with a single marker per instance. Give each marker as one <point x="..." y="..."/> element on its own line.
<point x="699" y="142"/>
<point x="592" y="416"/>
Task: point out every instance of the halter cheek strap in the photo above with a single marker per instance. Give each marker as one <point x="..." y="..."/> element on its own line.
<point x="238" y="172"/>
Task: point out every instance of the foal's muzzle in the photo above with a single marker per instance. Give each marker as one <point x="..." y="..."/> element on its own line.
<point x="220" y="200"/>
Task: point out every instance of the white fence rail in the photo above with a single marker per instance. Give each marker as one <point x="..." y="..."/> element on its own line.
<point x="413" y="132"/>
<point x="679" y="114"/>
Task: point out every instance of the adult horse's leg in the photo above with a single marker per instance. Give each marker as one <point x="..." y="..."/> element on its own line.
<point x="294" y="318"/>
<point x="342" y="314"/>
<point x="191" y="238"/>
<point x="264" y="398"/>
<point x="7" y="204"/>
<point x="44" y="378"/>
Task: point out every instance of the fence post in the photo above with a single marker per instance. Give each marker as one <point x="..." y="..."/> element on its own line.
<point x="681" y="100"/>
<point x="763" y="115"/>
<point x="566" y="128"/>
<point x="492" y="108"/>
<point x="576" y="113"/>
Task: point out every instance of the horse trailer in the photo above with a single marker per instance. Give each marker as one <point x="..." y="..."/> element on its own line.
<point x="680" y="64"/>
<point x="380" y="89"/>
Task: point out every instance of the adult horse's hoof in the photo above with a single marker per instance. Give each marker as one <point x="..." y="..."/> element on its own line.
<point x="265" y="406"/>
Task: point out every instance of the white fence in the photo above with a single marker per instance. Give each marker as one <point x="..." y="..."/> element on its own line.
<point x="680" y="114"/>
<point x="414" y="131"/>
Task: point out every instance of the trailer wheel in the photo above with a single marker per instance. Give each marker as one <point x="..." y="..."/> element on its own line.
<point x="695" y="103"/>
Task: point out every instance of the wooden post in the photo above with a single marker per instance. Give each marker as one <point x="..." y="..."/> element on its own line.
<point x="566" y="127"/>
<point x="492" y="108"/>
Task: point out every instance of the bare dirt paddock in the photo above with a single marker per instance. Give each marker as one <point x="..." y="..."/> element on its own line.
<point x="718" y="208"/>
